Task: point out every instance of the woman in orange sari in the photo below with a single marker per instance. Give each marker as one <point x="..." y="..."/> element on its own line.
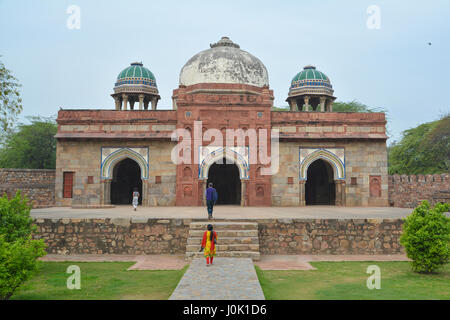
<point x="209" y="244"/>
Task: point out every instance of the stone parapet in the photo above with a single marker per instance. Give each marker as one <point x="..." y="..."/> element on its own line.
<point x="409" y="190"/>
<point x="329" y="125"/>
<point x="115" y="124"/>
<point x="38" y="185"/>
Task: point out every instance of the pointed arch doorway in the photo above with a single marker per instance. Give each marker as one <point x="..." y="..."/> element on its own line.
<point x="225" y="178"/>
<point x="320" y="187"/>
<point x="126" y="177"/>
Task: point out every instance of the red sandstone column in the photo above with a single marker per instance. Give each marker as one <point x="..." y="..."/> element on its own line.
<point x="243" y="192"/>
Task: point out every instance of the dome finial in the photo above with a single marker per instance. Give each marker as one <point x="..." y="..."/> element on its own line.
<point x="224" y="42"/>
<point x="309" y="66"/>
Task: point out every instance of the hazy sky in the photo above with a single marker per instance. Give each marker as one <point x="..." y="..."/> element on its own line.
<point x="393" y="67"/>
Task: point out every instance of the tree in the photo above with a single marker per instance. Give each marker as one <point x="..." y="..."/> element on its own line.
<point x="426" y="237"/>
<point x="354" y="106"/>
<point x="422" y="150"/>
<point x="30" y="146"/>
<point x="10" y="101"/>
<point x="15" y="220"/>
<point x="283" y="108"/>
<point x="18" y="251"/>
<point x="18" y="263"/>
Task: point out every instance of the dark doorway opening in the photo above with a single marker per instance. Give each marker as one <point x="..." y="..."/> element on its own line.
<point x="126" y="177"/>
<point x="226" y="180"/>
<point x="320" y="187"/>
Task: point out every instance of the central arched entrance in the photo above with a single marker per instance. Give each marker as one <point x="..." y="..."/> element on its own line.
<point x="320" y="188"/>
<point x="226" y="180"/>
<point x="126" y="177"/>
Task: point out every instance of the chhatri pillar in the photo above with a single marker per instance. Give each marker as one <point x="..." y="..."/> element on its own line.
<point x="124" y="101"/>
<point x="141" y="101"/>
<point x="306" y="99"/>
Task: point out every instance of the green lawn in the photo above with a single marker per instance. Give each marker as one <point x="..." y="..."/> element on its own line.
<point x="100" y="280"/>
<point x="347" y="280"/>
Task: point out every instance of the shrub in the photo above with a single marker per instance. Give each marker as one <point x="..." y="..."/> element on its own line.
<point x="18" y="263"/>
<point x="18" y="251"/>
<point x="15" y="220"/>
<point x="426" y="237"/>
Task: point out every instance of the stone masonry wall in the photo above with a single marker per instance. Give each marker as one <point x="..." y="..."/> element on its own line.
<point x="113" y="236"/>
<point x="276" y="236"/>
<point x="83" y="158"/>
<point x="38" y="185"/>
<point x="330" y="236"/>
<point x="362" y="159"/>
<point x="408" y="191"/>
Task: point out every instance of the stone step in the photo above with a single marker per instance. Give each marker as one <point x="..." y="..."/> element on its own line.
<point x="225" y="247"/>
<point x="224" y="225"/>
<point x="227" y="240"/>
<point x="225" y="233"/>
<point x="232" y="254"/>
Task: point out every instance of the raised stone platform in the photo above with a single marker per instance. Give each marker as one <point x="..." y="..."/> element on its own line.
<point x="226" y="212"/>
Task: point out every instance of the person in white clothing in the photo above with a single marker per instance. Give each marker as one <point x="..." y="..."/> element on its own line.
<point x="135" y="198"/>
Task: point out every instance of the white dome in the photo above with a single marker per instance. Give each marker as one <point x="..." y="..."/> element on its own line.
<point x="224" y="63"/>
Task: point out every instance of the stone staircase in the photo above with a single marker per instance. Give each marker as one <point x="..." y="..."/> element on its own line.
<point x="235" y="239"/>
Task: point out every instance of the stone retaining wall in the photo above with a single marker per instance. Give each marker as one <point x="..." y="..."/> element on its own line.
<point x="113" y="236"/>
<point x="276" y="236"/>
<point x="330" y="236"/>
<point x="408" y="191"/>
<point x="37" y="184"/>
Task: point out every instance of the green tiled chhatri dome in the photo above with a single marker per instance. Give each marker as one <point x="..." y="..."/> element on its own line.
<point x="135" y="84"/>
<point x="309" y="76"/>
<point x="136" y="73"/>
<point x="311" y="88"/>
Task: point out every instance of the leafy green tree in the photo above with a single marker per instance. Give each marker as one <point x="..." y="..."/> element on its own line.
<point x="426" y="237"/>
<point x="283" y="108"/>
<point x="15" y="219"/>
<point x="422" y="150"/>
<point x="354" y="106"/>
<point x="30" y="146"/>
<point x="18" y="251"/>
<point x="10" y="101"/>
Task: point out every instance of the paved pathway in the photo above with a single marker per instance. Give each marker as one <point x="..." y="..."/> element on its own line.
<point x="226" y="279"/>
<point x="226" y="212"/>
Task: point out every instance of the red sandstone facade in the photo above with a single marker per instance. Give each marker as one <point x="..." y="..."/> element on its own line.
<point x="244" y="107"/>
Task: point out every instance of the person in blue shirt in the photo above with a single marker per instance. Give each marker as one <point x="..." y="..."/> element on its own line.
<point x="211" y="198"/>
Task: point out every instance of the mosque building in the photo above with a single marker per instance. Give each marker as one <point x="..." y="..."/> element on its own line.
<point x="306" y="155"/>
